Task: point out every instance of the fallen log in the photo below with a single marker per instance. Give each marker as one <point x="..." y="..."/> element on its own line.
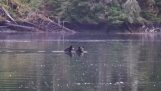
<point x="40" y="22"/>
<point x="20" y="27"/>
<point x="25" y="23"/>
<point x="3" y="26"/>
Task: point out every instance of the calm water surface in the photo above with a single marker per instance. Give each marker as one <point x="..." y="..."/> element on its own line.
<point x="36" y="62"/>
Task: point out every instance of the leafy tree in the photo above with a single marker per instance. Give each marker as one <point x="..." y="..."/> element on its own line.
<point x="116" y="15"/>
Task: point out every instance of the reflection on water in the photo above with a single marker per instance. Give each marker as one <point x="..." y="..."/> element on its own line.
<point x="118" y="64"/>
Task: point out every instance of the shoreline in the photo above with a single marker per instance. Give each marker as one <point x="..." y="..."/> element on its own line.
<point x="115" y="28"/>
<point x="72" y="28"/>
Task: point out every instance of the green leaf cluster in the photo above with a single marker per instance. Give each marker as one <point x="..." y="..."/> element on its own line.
<point x="86" y="11"/>
<point x="116" y="15"/>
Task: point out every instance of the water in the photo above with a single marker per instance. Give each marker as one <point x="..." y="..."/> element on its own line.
<point x="36" y="62"/>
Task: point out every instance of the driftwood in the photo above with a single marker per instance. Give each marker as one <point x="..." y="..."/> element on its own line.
<point x="27" y="26"/>
<point x="25" y="23"/>
<point x="20" y="27"/>
<point x="3" y="26"/>
<point x="47" y="24"/>
<point x="13" y="25"/>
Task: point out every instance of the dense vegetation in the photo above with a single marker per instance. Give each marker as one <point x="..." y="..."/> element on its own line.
<point x="89" y="11"/>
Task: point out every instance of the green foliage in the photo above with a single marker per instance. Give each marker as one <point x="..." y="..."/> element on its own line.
<point x="85" y="12"/>
<point x="116" y="15"/>
<point x="35" y="4"/>
<point x="151" y="17"/>
<point x="91" y="11"/>
<point x="78" y="11"/>
<point x="158" y="3"/>
<point x="152" y="13"/>
<point x="148" y="15"/>
<point x="3" y="3"/>
<point x="21" y="7"/>
<point x="57" y="7"/>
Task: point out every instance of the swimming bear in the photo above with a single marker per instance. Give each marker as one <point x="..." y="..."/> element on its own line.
<point x="70" y="49"/>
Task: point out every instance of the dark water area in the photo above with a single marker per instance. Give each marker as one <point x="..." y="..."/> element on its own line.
<point x="114" y="62"/>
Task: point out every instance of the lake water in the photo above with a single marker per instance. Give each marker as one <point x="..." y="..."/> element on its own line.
<point x="36" y="62"/>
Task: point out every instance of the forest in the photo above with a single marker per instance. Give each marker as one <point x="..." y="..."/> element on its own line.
<point x="126" y="14"/>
